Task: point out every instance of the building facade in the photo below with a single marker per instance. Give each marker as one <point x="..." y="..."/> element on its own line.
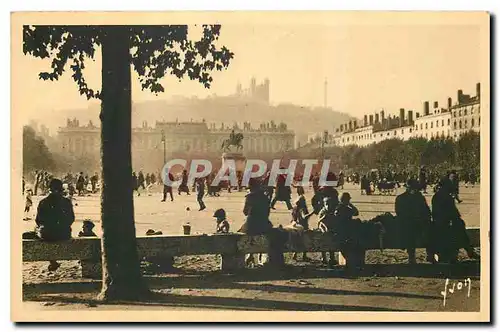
<point x="451" y="121"/>
<point x="76" y="140"/>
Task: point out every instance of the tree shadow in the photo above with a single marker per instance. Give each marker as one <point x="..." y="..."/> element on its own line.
<point x="215" y="302"/>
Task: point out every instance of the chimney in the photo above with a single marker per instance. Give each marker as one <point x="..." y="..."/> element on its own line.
<point x="355" y="124"/>
<point x="478" y="90"/>
<point x="365" y="122"/>
<point x="460" y="93"/>
<point x="371" y="120"/>
<point x="410" y="117"/>
<point x="341" y="128"/>
<point x="417" y="115"/>
<point x="376" y="118"/>
<point x="436" y="105"/>
<point x="350" y="125"/>
<point x="449" y="102"/>
<point x="382" y="116"/>
<point x="401" y="117"/>
<point x="426" y="108"/>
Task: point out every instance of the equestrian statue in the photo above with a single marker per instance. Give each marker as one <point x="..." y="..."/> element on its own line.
<point x="233" y="140"/>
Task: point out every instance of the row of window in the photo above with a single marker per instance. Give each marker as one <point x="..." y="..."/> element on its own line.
<point x="432" y="124"/>
<point x="465" y="111"/>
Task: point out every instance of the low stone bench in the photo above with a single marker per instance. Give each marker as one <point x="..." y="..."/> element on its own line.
<point x="231" y="247"/>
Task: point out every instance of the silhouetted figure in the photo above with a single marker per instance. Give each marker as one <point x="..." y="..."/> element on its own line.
<point x="183" y="188"/>
<point x="415" y="217"/>
<point x="222" y="224"/>
<point x="200" y="189"/>
<point x="422" y="179"/>
<point x="93" y="181"/>
<point x="135" y="184"/>
<point x="167" y="188"/>
<point x="256" y="210"/>
<point x="448" y="228"/>
<point x="140" y="180"/>
<point x="283" y="193"/>
<point x="54" y="217"/>
<point x="80" y="184"/>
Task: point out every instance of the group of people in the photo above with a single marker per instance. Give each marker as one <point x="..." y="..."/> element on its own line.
<point x="441" y="229"/>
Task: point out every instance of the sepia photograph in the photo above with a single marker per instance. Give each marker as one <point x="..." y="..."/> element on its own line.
<point x="293" y="166"/>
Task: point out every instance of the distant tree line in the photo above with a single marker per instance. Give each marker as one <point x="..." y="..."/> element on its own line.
<point x="437" y="154"/>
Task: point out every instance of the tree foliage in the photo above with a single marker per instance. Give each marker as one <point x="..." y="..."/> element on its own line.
<point x="439" y="154"/>
<point x="36" y="155"/>
<point x="155" y="52"/>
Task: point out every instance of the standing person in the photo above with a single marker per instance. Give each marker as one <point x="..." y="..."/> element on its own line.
<point x="268" y="188"/>
<point x="167" y="188"/>
<point x="37" y="182"/>
<point x="449" y="233"/>
<point x="135" y="184"/>
<point x="346" y="231"/>
<point x="80" y="184"/>
<point x="153" y="178"/>
<point x="415" y="217"/>
<point x="455" y="182"/>
<point x="301" y="215"/>
<point x="200" y="188"/>
<point x="256" y="211"/>
<point x="340" y="183"/>
<point x="283" y="193"/>
<point x="148" y="179"/>
<point x="93" y="180"/>
<point x="422" y="178"/>
<point x="54" y="217"/>
<point x="140" y="180"/>
<point x="28" y="205"/>
<point x="472" y="178"/>
<point x="184" y="186"/>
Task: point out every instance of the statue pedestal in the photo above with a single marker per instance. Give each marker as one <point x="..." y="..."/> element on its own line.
<point x="237" y="157"/>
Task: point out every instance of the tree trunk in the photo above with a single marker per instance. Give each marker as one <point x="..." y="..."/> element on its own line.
<point x="122" y="279"/>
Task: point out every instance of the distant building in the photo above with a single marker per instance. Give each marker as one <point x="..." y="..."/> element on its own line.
<point x="438" y="122"/>
<point x="466" y="113"/>
<point x="180" y="137"/>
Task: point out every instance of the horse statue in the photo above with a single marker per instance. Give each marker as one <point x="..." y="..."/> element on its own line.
<point x="233" y="140"/>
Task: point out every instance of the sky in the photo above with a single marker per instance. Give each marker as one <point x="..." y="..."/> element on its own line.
<point x="368" y="67"/>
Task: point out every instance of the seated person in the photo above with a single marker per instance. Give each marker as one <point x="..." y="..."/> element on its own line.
<point x="300" y="216"/>
<point x="87" y="229"/>
<point x="54" y="217"/>
<point x="222" y="223"/>
<point x="326" y="224"/>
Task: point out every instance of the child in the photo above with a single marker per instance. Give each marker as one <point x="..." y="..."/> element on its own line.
<point x="300" y="216"/>
<point x="29" y="204"/>
<point x="222" y="223"/>
<point x="87" y="228"/>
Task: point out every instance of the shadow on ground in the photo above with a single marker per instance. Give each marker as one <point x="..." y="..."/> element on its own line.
<point x="42" y="292"/>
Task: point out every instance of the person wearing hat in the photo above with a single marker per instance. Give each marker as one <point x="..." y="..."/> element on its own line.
<point x="414" y="215"/>
<point x="222" y="223"/>
<point x="449" y="233"/>
<point x="87" y="229"/>
<point x="54" y="217"/>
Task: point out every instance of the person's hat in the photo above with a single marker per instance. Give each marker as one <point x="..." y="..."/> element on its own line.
<point x="56" y="185"/>
<point x="220" y="213"/>
<point x="88" y="223"/>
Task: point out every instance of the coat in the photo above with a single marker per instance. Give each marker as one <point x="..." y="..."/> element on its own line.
<point x="54" y="217"/>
